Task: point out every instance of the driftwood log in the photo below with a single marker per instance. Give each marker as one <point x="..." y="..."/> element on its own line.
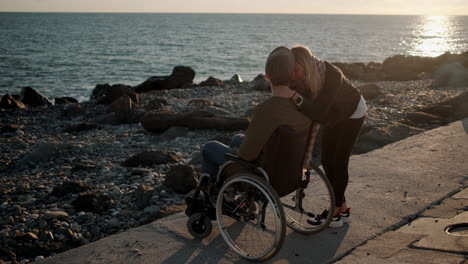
<point x="160" y="122"/>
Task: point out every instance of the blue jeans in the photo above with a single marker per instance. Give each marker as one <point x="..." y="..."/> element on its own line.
<point x="213" y="154"/>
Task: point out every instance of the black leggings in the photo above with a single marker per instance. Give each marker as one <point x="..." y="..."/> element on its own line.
<point x="337" y="146"/>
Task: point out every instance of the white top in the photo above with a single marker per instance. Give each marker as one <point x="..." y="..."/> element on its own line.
<point x="361" y="109"/>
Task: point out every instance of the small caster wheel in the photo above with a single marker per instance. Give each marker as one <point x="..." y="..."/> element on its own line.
<point x="199" y="225"/>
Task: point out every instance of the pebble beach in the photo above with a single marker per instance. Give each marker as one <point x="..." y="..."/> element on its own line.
<point x="69" y="176"/>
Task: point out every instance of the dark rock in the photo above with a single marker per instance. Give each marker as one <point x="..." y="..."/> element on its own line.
<point x="212" y="81"/>
<point x="260" y="83"/>
<point x="451" y="75"/>
<point x="65" y="100"/>
<point x="33" y="98"/>
<point x="405" y="68"/>
<point x="122" y="104"/>
<point x="150" y="158"/>
<point x="370" y="91"/>
<point x="143" y="195"/>
<point x="160" y="121"/>
<point x="181" y="76"/>
<point x="8" y="102"/>
<point x="352" y="71"/>
<point x="106" y="94"/>
<point x="181" y="178"/>
<point x="69" y="187"/>
<point x="96" y="203"/>
<point x="236" y="79"/>
<point x="80" y="127"/>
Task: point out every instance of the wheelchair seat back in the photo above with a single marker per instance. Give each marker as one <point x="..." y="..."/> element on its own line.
<point x="283" y="159"/>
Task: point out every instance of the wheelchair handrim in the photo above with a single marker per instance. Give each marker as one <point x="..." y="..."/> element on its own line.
<point x="227" y="238"/>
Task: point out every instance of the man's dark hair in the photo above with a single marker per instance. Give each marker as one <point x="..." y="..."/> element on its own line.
<point x="279" y="66"/>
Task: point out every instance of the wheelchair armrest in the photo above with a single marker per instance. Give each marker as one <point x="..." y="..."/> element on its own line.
<point x="235" y="158"/>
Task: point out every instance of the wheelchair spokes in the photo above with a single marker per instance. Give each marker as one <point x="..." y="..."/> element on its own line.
<point x="255" y="227"/>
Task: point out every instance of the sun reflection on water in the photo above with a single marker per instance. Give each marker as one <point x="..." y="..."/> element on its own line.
<point x="433" y="36"/>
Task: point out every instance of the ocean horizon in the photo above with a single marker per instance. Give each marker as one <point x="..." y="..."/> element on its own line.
<point x="67" y="54"/>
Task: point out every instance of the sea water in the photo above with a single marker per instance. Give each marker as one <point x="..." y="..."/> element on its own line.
<point x="67" y="54"/>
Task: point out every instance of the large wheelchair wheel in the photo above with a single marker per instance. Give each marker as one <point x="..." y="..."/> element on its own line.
<point x="250" y="217"/>
<point x="303" y="204"/>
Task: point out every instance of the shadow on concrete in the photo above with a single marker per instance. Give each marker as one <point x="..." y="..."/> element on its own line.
<point x="319" y="248"/>
<point x="198" y="250"/>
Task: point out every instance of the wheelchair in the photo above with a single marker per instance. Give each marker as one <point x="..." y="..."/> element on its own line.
<point x="253" y="202"/>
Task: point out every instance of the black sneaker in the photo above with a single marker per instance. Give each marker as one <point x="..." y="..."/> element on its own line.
<point x="320" y="219"/>
<point x="346" y="216"/>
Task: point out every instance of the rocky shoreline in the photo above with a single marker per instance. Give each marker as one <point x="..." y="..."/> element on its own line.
<point x="72" y="173"/>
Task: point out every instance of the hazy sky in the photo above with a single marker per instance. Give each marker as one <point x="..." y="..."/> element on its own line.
<point x="431" y="7"/>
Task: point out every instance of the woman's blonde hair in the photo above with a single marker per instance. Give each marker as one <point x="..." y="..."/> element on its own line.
<point x="312" y="82"/>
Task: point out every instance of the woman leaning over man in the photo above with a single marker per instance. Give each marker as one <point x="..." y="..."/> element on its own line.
<point x="325" y="95"/>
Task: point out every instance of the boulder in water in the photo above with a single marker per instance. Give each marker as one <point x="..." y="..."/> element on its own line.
<point x="180" y="77"/>
<point x="33" y="98"/>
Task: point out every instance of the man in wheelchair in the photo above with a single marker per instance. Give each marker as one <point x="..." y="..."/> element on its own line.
<point x="278" y="110"/>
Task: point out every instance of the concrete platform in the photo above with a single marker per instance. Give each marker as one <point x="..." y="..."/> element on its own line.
<point x="388" y="188"/>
